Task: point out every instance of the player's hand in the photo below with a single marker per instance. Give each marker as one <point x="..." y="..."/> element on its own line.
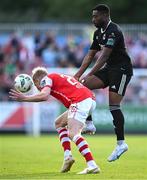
<point x="16" y="95"/>
<point x="76" y="77"/>
<point x="83" y="79"/>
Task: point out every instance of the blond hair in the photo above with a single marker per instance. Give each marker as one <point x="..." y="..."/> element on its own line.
<point x="39" y="72"/>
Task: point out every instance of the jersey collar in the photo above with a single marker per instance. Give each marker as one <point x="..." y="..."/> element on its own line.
<point x="102" y="31"/>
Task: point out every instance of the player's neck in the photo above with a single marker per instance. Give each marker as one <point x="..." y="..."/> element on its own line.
<point x="106" y="24"/>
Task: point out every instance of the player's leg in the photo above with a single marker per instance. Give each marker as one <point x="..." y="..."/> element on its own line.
<point x="118" y="117"/>
<point x="76" y="119"/>
<point x="93" y="82"/>
<point x="60" y="124"/>
<point x="116" y="93"/>
<point x="118" y="122"/>
<point x="89" y="127"/>
<point x="75" y="127"/>
<point x="96" y="81"/>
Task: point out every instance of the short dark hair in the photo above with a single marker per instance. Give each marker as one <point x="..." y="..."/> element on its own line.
<point x="103" y="8"/>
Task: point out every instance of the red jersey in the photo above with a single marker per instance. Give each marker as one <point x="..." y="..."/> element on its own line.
<point x="66" y="88"/>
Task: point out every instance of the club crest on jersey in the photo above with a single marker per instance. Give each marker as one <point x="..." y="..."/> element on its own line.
<point x="97" y="37"/>
<point x="110" y="42"/>
<point x="43" y="83"/>
<point x="73" y="109"/>
<point x="112" y="34"/>
<point x="104" y="36"/>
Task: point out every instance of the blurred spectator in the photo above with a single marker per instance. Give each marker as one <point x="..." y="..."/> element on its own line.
<point x="19" y="53"/>
<point x="5" y="85"/>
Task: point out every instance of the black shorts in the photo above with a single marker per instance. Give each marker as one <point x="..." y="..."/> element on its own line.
<point x="117" y="80"/>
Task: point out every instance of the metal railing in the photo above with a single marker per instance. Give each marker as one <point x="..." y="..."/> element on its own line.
<point x="66" y="28"/>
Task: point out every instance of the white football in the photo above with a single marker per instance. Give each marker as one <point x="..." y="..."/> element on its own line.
<point x="23" y="83"/>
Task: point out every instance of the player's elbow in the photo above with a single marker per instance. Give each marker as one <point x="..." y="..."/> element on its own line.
<point x="104" y="58"/>
<point x="45" y="96"/>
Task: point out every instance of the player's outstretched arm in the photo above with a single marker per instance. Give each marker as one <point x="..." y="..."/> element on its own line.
<point x="101" y="60"/>
<point x="85" y="64"/>
<point x="41" y="96"/>
<point x="99" y="63"/>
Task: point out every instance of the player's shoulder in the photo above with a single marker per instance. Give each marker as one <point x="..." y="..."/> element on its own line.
<point x="113" y="27"/>
<point x="97" y="31"/>
<point x="46" y="81"/>
<point x="114" y="30"/>
<point x="53" y="75"/>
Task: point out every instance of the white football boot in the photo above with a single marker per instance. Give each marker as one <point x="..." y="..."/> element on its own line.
<point x="89" y="128"/>
<point x="118" y="151"/>
<point x="67" y="164"/>
<point x="92" y="170"/>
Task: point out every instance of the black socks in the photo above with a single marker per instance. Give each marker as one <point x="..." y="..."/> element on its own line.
<point x="118" y="121"/>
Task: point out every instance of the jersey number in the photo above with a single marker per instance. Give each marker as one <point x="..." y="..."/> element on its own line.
<point x="70" y="79"/>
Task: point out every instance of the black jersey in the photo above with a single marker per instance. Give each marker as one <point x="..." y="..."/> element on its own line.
<point x="112" y="38"/>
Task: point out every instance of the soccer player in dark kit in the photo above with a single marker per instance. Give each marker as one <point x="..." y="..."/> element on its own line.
<point x="112" y="69"/>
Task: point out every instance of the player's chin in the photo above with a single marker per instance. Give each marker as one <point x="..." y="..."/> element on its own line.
<point x="96" y="25"/>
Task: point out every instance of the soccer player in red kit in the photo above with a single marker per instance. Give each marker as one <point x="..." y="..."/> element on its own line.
<point x="80" y="103"/>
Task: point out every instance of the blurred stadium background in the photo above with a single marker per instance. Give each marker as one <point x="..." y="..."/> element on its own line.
<point x="57" y="34"/>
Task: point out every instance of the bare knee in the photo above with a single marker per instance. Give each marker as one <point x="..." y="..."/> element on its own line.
<point x="74" y="128"/>
<point x="58" y="124"/>
<point x="114" y="98"/>
<point x="73" y="131"/>
<point x="71" y="134"/>
<point x="93" y="82"/>
<point x="61" y="121"/>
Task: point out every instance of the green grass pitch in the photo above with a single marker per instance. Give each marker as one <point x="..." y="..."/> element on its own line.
<point x="26" y="157"/>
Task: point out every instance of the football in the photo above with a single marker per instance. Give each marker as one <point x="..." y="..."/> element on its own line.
<point x="23" y="83"/>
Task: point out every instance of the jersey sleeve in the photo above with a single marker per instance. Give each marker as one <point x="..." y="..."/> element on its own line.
<point x="46" y="82"/>
<point x="95" y="45"/>
<point x="112" y="39"/>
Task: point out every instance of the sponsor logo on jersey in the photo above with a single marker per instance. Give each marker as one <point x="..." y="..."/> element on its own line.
<point x="110" y="42"/>
<point x="112" y="34"/>
<point x="43" y="83"/>
<point x="104" y="36"/>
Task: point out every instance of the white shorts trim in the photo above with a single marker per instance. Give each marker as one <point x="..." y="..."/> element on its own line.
<point x="122" y="84"/>
<point x="81" y="110"/>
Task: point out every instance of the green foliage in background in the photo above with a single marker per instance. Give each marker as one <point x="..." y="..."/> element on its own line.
<point x="122" y="11"/>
